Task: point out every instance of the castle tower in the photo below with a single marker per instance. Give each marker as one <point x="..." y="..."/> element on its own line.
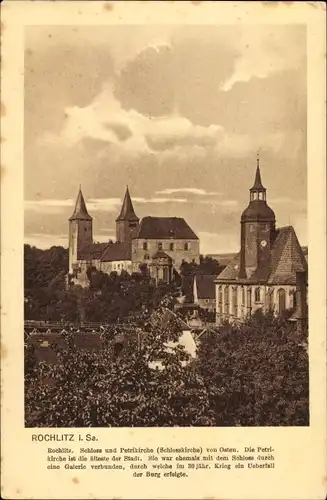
<point x="127" y="223"/>
<point x="257" y="231"/>
<point x="80" y="230"/>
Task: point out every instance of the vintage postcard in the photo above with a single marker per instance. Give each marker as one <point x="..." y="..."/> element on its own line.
<point x="163" y="250"/>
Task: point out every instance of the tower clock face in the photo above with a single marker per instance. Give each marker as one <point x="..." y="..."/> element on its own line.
<point x="263" y="243"/>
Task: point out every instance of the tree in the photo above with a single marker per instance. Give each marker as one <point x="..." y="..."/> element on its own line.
<point x="258" y="373"/>
<point x="100" y="389"/>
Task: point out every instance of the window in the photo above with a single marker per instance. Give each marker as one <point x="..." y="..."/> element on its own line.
<point x="243" y="296"/>
<point x="118" y="266"/>
<point x="132" y="224"/>
<point x="257" y="295"/>
<point x="146" y="256"/>
<point x="160" y="246"/>
<point x="186" y="246"/>
<point x="145" y="245"/>
<point x="248" y="293"/>
<point x="234" y="301"/>
<point x="171" y="246"/>
<point x="220" y="299"/>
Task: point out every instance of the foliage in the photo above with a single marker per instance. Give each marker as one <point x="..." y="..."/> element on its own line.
<point x="254" y="374"/>
<point x="257" y="372"/>
<point x="101" y="389"/>
<point x="207" y="265"/>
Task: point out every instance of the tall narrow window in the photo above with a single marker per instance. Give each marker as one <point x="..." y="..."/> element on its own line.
<point x="257" y="294"/>
<point x="234" y="300"/>
<point x="220" y="299"/>
<point x="249" y="297"/>
<point x="145" y="245"/>
<point x="171" y="246"/>
<point x="186" y="246"/>
<point x="159" y="246"/>
<point x="243" y="296"/>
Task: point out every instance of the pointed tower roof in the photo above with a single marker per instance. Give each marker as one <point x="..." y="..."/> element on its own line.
<point x="258" y="186"/>
<point x="80" y="212"/>
<point x="127" y="210"/>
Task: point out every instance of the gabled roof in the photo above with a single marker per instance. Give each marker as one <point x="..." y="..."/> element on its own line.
<point x="92" y="251"/>
<point x="165" y="228"/>
<point x="232" y="269"/>
<point x="127" y="209"/>
<point x="161" y="255"/>
<point x="117" y="251"/>
<point x="80" y="211"/>
<point x="287" y="258"/>
<point x="205" y="285"/>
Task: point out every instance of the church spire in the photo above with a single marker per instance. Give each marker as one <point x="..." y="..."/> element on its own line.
<point x="258" y="191"/>
<point x="80" y="211"/>
<point x="127" y="210"/>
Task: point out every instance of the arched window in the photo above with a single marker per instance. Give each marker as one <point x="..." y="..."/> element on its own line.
<point x="159" y="246"/>
<point x="281" y="300"/>
<point x="226" y="299"/>
<point x="171" y="246"/>
<point x="145" y="245"/>
<point x="249" y="297"/>
<point x="220" y="299"/>
<point x="234" y="300"/>
<point x="257" y="294"/>
<point x="243" y="296"/>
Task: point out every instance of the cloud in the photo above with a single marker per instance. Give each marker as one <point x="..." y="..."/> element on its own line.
<point x="195" y="191"/>
<point x="160" y="200"/>
<point x="48" y="206"/>
<point x="130" y="130"/>
<point x="266" y="50"/>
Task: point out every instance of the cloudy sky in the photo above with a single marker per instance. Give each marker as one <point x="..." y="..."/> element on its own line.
<point x="176" y="112"/>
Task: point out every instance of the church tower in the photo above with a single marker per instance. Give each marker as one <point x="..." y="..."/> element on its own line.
<point x="80" y="230"/>
<point x="127" y="223"/>
<point x="257" y="232"/>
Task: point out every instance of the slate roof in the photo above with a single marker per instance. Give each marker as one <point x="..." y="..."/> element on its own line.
<point x="258" y="186"/>
<point x="258" y="210"/>
<point x="127" y="209"/>
<point x="80" y="211"/>
<point x="205" y="284"/>
<point x="287" y="258"/>
<point x="92" y="251"/>
<point x="165" y="228"/>
<point x="117" y="251"/>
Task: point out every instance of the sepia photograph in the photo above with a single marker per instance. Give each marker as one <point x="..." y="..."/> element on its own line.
<point x="165" y="246"/>
<point x="163" y="250"/>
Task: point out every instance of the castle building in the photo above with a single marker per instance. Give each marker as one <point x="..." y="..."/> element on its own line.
<point x="263" y="275"/>
<point x="160" y="244"/>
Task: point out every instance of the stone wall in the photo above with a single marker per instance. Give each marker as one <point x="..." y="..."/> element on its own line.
<point x="174" y="248"/>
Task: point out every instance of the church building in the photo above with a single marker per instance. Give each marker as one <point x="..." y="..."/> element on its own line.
<point x="264" y="274"/>
<point x="159" y="244"/>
